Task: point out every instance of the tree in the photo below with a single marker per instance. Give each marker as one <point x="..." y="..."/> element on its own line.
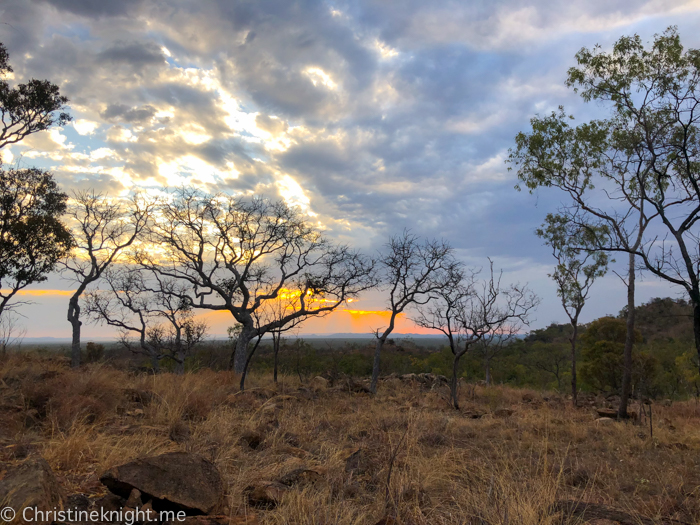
<point x="236" y="254"/>
<point x="413" y="272"/>
<point x="149" y="307"/>
<point x="576" y="270"/>
<point x="32" y="237"/>
<point x="468" y="313"/>
<point x="11" y="334"/>
<point x="572" y="159"/>
<point x="493" y="342"/>
<point x="27" y="108"/>
<point x="653" y="95"/>
<point x="102" y="230"/>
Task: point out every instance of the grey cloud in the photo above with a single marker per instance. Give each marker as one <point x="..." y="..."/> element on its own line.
<point x="121" y="112"/>
<point x="136" y="54"/>
<point x="95" y="8"/>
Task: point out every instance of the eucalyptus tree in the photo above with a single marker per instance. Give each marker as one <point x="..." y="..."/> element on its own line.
<point x="412" y="271"/>
<point x="103" y="229"/>
<point x="28" y="107"/>
<point x="575" y="160"/>
<point x="236" y="254"/>
<point x="577" y="268"/>
<point x="655" y="102"/>
<point x="32" y="237"/>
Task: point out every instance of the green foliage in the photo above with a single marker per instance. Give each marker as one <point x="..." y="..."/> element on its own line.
<point x="94" y="352"/>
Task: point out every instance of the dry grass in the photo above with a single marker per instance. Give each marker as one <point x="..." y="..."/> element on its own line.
<point x="448" y="467"/>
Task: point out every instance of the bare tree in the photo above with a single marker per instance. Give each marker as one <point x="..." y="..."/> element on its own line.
<point x="493" y="342"/>
<point x="149" y="309"/>
<point x="576" y="270"/>
<point x="413" y="272"/>
<point x="236" y="254"/>
<point x="102" y="229"/>
<point x="11" y="334"/>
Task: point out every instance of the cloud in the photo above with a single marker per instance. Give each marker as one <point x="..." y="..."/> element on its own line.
<point x="374" y="115"/>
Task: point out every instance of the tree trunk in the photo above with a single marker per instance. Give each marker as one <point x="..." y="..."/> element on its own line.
<point x="276" y="350"/>
<point x="574" y="390"/>
<point x="487" y="363"/>
<point x="74" y="320"/>
<point x="629" y="342"/>
<point x="241" y="354"/>
<point x="155" y="363"/>
<point x="453" y="384"/>
<point x="180" y="368"/>
<point x="247" y="363"/>
<point x="696" y="324"/>
<point x="375" y="365"/>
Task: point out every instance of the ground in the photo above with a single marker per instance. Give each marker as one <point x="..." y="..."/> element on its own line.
<point x="507" y="456"/>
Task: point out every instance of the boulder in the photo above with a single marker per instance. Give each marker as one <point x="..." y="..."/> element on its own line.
<point x="30" y="484"/>
<point x="176" y="480"/>
<point x="319" y="383"/>
<point x="607" y="412"/>
<point x="604" y="421"/>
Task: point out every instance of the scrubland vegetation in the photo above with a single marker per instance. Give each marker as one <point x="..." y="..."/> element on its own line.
<point x="508" y="456"/>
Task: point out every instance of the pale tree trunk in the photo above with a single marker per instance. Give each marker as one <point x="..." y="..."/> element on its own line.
<point x="241" y="355"/>
<point x="487" y="363"/>
<point x="629" y="341"/>
<point x="74" y="320"/>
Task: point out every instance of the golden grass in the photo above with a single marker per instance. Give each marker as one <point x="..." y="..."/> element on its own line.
<point x="448" y="468"/>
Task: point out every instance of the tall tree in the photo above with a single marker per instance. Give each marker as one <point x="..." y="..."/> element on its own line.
<point x="576" y="270"/>
<point x="412" y="272"/>
<point x="575" y="160"/>
<point x="102" y="229"/>
<point x="235" y="254"/>
<point x="27" y="108"/>
<point x="654" y="98"/>
<point x="32" y="237"/>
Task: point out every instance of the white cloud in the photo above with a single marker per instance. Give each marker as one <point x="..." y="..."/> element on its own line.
<point x="85" y="127"/>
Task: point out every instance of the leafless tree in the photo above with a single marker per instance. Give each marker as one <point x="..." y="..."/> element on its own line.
<point x="491" y="307"/>
<point x="493" y="342"/>
<point x="236" y="254"/>
<point x="11" y="333"/>
<point x="412" y="271"/>
<point x="149" y="308"/>
<point x="102" y="229"/>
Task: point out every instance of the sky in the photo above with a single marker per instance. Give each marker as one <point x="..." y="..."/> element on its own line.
<point x="371" y="116"/>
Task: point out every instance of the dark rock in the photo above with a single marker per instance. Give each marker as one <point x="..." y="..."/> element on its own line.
<point x="177" y="480"/>
<point x="109" y="502"/>
<point x="607" y="412"/>
<point x="266" y="494"/>
<point x="252" y="439"/>
<point x="180" y="432"/>
<point x="30" y="484"/>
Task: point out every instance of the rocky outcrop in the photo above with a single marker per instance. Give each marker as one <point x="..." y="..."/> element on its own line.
<point x="30" y="484"/>
<point x="177" y="480"/>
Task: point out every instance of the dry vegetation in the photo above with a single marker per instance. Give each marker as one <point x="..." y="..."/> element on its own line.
<point x="449" y="467"/>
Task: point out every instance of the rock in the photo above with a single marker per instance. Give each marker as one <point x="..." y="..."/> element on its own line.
<point x="667" y="402"/>
<point x="528" y="397"/>
<point x="252" y="439"/>
<point x="266" y="494"/>
<point x="176" y="480"/>
<point x="604" y="421"/>
<point x="504" y="412"/>
<point x="30" y="484"/>
<point x="301" y="476"/>
<point x="109" y="502"/>
<point x="180" y="432"/>
<point x="319" y="383"/>
<point x="607" y="412"/>
<point x="134" y="499"/>
<point x="249" y="519"/>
